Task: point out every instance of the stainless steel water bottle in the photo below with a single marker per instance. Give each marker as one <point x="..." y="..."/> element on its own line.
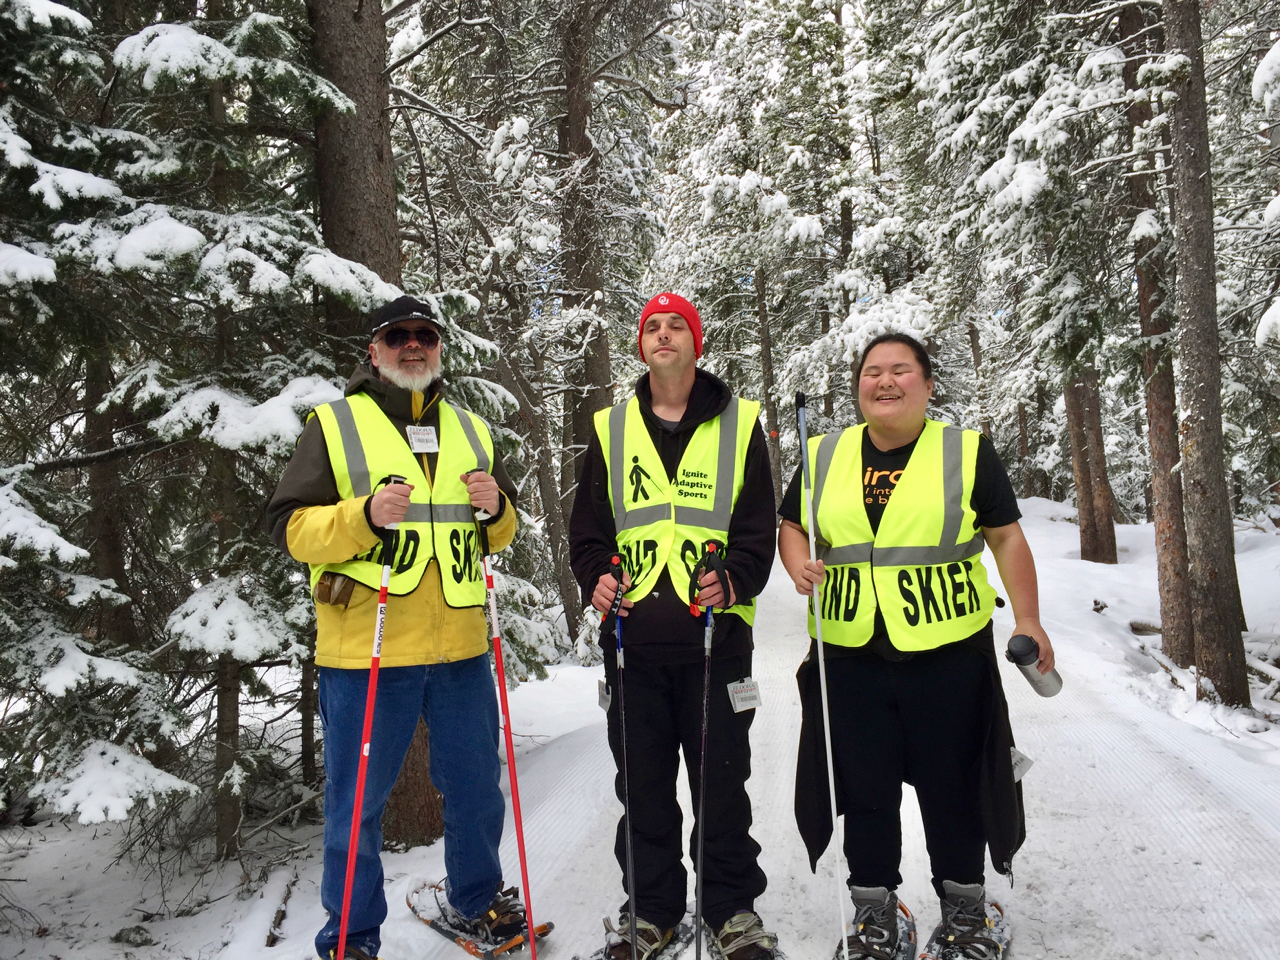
<point x="1025" y="653"/>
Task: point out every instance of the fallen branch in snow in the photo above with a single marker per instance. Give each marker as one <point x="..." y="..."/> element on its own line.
<point x="283" y="813"/>
<point x="273" y="935"/>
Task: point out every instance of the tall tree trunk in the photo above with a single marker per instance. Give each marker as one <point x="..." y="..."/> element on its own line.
<point x="1177" y="630"/>
<point x="581" y="227"/>
<point x="355" y="168"/>
<point x="829" y="397"/>
<point x="1215" y="589"/>
<point x="975" y="346"/>
<point x="766" y="373"/>
<point x="532" y="410"/>
<point x="1073" y="394"/>
<point x="1103" y="498"/>
<point x="1024" y="451"/>
<point x="228" y="800"/>
<point x="414" y="815"/>
<point x="307" y="709"/>
<point x="356" y="184"/>
<point x="105" y="523"/>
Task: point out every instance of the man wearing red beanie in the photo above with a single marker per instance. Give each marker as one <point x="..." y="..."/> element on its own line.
<point x="680" y="465"/>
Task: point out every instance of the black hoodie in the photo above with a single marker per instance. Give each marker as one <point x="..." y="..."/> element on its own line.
<point x="659" y="628"/>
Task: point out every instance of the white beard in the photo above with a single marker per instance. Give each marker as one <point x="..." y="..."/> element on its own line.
<point x="416" y="381"/>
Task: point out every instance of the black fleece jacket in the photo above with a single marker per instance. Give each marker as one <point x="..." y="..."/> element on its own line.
<point x="659" y="628"/>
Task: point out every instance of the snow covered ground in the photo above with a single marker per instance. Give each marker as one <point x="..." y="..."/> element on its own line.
<point x="1153" y="822"/>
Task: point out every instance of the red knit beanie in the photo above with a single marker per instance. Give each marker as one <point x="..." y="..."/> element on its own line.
<point x="671" y="303"/>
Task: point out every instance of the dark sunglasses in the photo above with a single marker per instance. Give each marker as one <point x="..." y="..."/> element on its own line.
<point x="427" y="338"/>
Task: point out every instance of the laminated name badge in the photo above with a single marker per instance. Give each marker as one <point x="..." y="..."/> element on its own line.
<point x="1021" y="763"/>
<point x="606" y="696"/>
<point x="744" y="695"/>
<point x="422" y="439"/>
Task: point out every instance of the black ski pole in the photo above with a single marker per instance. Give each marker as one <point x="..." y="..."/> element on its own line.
<point x="615" y="564"/>
<point x="822" y="665"/>
<point x="712" y="557"/>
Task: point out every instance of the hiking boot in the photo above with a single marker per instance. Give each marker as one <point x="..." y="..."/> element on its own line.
<point x="503" y="919"/>
<point x="881" y="929"/>
<point x="743" y="937"/>
<point x="972" y="927"/>
<point x="649" y="939"/>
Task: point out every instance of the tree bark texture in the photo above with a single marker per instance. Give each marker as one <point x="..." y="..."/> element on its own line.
<point x="975" y="346"/>
<point x="766" y="374"/>
<point x="355" y="168"/>
<point x="1073" y="394"/>
<point x="581" y="229"/>
<point x="228" y="801"/>
<point x="415" y="811"/>
<point x="356" y="181"/>
<point x="106" y="518"/>
<point x="307" y="709"/>
<point x="1103" y="498"/>
<point x="1215" y="589"/>
<point x="532" y="410"/>
<point x="1177" y="630"/>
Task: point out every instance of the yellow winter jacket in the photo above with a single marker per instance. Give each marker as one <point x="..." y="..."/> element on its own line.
<point x="420" y="627"/>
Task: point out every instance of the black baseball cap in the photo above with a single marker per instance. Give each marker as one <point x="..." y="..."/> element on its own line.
<point x="401" y="309"/>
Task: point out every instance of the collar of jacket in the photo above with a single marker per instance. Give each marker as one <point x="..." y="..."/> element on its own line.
<point x="396" y="402"/>
<point x="707" y="400"/>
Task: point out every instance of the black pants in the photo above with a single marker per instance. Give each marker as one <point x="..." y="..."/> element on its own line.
<point x="664" y="716"/>
<point x="918" y="721"/>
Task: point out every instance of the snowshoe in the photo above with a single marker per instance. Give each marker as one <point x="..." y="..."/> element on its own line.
<point x="972" y="927"/>
<point x="660" y="945"/>
<point x="499" y="930"/>
<point x="882" y="927"/>
<point x="743" y="937"/>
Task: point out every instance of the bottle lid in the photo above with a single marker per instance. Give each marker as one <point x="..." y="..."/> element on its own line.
<point x="1023" y="650"/>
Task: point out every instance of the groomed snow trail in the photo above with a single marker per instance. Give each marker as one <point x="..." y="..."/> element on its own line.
<point x="1147" y="837"/>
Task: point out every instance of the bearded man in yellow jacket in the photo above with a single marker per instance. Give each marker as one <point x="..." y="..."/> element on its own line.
<point x="334" y="510"/>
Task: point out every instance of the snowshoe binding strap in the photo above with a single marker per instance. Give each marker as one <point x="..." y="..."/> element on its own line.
<point x="649" y="939"/>
<point x="966" y="932"/>
<point x="744" y="936"/>
<point x="711" y="561"/>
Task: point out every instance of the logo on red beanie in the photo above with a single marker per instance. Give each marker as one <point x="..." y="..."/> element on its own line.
<point x="673" y="303"/>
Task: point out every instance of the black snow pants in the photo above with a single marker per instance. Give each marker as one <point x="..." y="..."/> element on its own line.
<point x="918" y="721"/>
<point x="664" y="717"/>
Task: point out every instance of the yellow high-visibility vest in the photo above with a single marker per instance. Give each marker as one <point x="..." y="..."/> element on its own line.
<point x="364" y="447"/>
<point x="662" y="524"/>
<point x="923" y="566"/>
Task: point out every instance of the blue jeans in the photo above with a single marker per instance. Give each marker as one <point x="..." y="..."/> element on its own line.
<point x="458" y="702"/>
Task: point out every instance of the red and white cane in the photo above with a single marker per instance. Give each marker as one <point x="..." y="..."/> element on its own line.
<point x="370" y="699"/>
<point x="481" y="516"/>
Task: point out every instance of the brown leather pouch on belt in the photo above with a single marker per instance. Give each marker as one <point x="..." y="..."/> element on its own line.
<point x="333" y="589"/>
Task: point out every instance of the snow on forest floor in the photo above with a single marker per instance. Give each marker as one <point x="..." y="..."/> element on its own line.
<point x="1153" y="821"/>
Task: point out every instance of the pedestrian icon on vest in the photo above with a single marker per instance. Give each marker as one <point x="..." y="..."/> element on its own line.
<point x="638" y="477"/>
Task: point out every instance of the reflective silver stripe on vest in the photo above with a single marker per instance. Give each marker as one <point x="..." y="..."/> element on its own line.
<point x="826" y="451"/>
<point x="850" y="553"/>
<point x="440" y="513"/>
<point x="948" y="551"/>
<point x="929" y="556"/>
<point x="452" y="512"/>
<point x="357" y="465"/>
<point x="952" y="484"/>
<point x="721" y="512"/>
<point x="469" y="428"/>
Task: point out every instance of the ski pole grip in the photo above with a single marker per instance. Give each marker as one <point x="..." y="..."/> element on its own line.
<point x="615" y="570"/>
<point x="386" y="482"/>
<point x="800" y="399"/>
<point x="1024" y="653"/>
